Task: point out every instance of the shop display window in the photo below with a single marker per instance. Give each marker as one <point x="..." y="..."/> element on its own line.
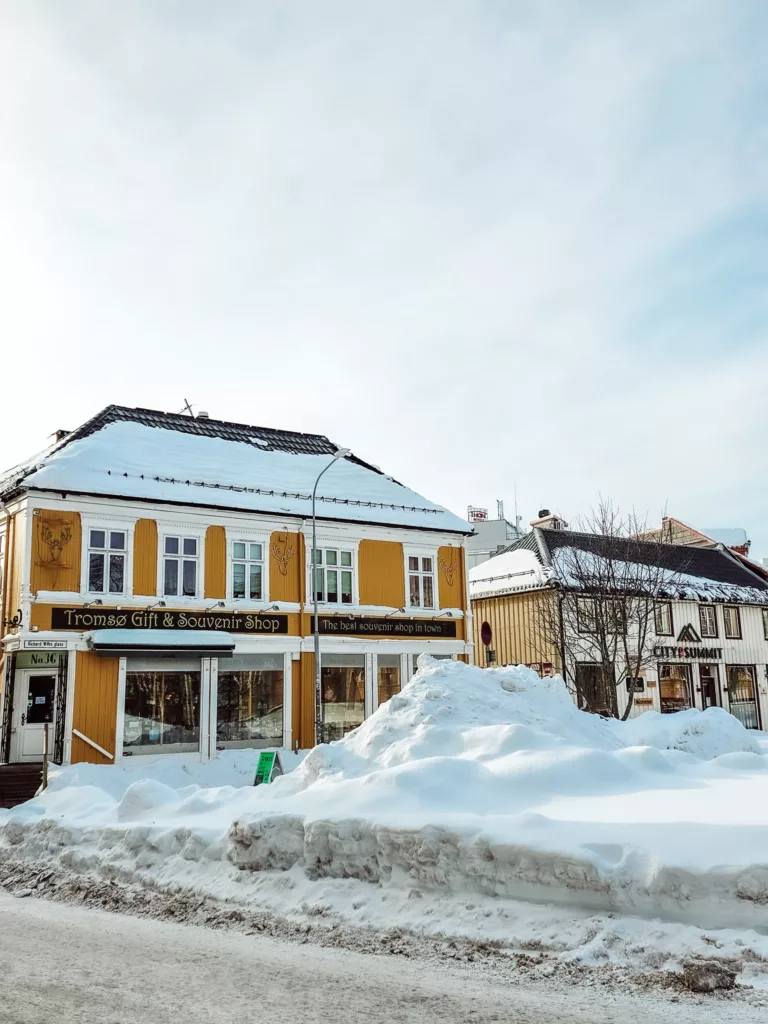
<point x="343" y="694"/>
<point x="742" y="695"/>
<point x="162" y="712"/>
<point x="674" y="688"/>
<point x="388" y="667"/>
<point x="250" y="701"/>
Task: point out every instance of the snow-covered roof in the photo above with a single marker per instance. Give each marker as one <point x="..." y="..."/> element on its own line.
<point x="519" y="569"/>
<point x="732" y="537"/>
<point x="183" y="460"/>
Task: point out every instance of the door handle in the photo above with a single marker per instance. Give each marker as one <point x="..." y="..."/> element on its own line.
<point x="23" y="718"/>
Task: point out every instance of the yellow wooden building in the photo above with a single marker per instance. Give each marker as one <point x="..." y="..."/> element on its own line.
<point x="157" y="589"/>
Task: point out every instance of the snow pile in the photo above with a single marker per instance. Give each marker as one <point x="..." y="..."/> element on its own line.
<point x="489" y="783"/>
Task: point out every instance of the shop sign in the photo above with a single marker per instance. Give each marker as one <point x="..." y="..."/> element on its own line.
<point x="688" y="635"/>
<point x="228" y="622"/>
<point x="644" y="702"/>
<point x="45" y="645"/>
<point x="268" y="768"/>
<point x="696" y="653"/>
<point x="635" y="684"/>
<point x="33" y="659"/>
<point x="331" y="625"/>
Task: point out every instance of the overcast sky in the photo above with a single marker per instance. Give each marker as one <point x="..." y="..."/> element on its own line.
<point x="480" y="243"/>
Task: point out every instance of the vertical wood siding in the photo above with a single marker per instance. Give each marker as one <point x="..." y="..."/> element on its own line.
<point x="517" y="624"/>
<point x="450" y="577"/>
<point x="285" y="576"/>
<point x="48" y="572"/>
<point x="13" y="566"/>
<point x="381" y="573"/>
<point x="95" y="711"/>
<point x="145" y="558"/>
<point x="216" y="562"/>
<point x="306" y="718"/>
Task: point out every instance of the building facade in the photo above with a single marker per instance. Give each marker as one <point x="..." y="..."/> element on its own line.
<point x="708" y="643"/>
<point x="157" y="590"/>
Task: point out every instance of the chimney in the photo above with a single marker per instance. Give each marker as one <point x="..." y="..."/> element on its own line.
<point x="203" y="415"/>
<point x="59" y="435"/>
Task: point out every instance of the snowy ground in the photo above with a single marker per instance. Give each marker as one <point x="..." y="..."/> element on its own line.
<point x="109" y="969"/>
<point x="478" y="804"/>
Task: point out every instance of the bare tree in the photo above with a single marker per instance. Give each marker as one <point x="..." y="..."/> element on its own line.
<point x="606" y="591"/>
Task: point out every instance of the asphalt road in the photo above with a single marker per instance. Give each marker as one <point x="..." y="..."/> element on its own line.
<point x="71" y="965"/>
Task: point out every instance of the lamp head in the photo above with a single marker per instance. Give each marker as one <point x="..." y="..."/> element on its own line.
<point x="342" y="453"/>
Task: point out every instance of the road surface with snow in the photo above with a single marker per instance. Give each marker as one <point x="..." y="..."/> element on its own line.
<point x="82" y="966"/>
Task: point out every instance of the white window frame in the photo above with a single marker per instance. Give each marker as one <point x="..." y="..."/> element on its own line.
<point x="737" y="611"/>
<point x="248" y="536"/>
<point x="656" y="609"/>
<point x="706" y="609"/>
<point x="180" y="530"/>
<point x="108" y="525"/>
<point x="421" y="552"/>
<point x="333" y="544"/>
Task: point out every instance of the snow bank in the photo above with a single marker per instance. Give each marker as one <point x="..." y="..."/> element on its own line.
<point x="469" y="781"/>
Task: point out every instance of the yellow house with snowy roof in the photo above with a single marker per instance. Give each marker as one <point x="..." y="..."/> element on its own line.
<point x="158" y="593"/>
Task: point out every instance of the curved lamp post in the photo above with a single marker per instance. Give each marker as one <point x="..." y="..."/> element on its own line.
<point x="342" y="453"/>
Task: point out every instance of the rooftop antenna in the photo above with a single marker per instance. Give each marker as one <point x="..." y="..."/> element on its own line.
<point x="187" y="409"/>
<point x="499" y="508"/>
<point x="517" y="517"/>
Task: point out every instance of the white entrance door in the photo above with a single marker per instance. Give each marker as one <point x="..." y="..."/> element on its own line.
<point x="35" y="709"/>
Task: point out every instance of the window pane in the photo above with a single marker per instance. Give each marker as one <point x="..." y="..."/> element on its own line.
<point x="171" y="587"/>
<point x="190" y="546"/>
<point x="171" y="545"/>
<point x="238" y="550"/>
<point x="413" y="564"/>
<point x="255" y="582"/>
<point x="346" y="558"/>
<point x="98" y="538"/>
<point x="117" y="541"/>
<point x="318" y="559"/>
<point x="330" y="558"/>
<point x="238" y="580"/>
<point x="333" y="592"/>
<point x="427" y="584"/>
<point x="96" y="574"/>
<point x="343" y="691"/>
<point x="319" y="583"/>
<point x="346" y="588"/>
<point x="255" y="552"/>
<point x="426" y="564"/>
<point x="415" y="597"/>
<point x="162" y="710"/>
<point x="190" y="579"/>
<point x="389" y="679"/>
<point x="250" y="708"/>
<point x="116" y="573"/>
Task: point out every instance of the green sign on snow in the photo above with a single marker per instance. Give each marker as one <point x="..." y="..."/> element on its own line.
<point x="268" y="768"/>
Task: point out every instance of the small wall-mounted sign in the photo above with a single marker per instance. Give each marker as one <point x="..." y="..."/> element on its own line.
<point x="268" y="768"/>
<point x="635" y="684"/>
<point x="45" y="645"/>
<point x="644" y="702"/>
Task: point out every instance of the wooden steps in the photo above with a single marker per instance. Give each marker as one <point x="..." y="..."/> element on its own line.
<point x="19" y="782"/>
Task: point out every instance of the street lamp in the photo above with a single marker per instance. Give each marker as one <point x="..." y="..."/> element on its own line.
<point x="342" y="453"/>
